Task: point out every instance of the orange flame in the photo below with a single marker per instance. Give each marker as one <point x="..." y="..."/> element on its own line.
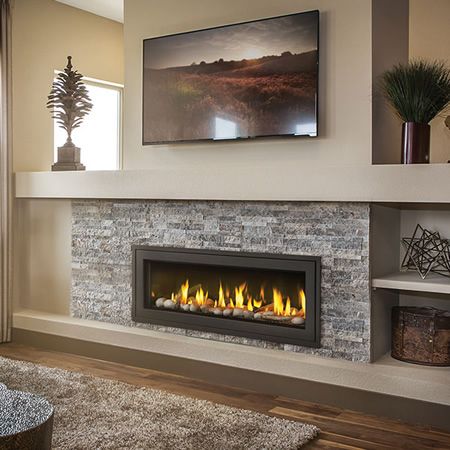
<point x="201" y="297"/>
<point x="257" y="303"/>
<point x="242" y="299"/>
<point x="302" y="301"/>
<point x="221" y="302"/>
<point x="184" y="292"/>
<point x="278" y="306"/>
<point x="239" y="295"/>
<point x="287" y="311"/>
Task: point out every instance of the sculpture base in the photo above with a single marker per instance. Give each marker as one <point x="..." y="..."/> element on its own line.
<point x="59" y="166"/>
<point x="68" y="158"/>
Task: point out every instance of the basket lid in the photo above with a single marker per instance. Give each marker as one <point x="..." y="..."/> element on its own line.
<point x="424" y="311"/>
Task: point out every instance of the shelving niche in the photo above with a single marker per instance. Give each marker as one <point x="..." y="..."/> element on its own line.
<point x="392" y="287"/>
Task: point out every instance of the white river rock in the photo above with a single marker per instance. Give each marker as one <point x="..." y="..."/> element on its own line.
<point x="279" y="318"/>
<point x="169" y="304"/>
<point x="160" y="302"/>
<point x="298" y="321"/>
<point x="238" y="312"/>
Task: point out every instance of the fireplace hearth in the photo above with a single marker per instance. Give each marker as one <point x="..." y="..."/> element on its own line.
<point x="260" y="296"/>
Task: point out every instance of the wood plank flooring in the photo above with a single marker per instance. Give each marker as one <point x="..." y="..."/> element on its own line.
<point x="341" y="429"/>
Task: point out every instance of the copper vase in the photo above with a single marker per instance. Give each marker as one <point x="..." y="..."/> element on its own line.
<point x="415" y="143"/>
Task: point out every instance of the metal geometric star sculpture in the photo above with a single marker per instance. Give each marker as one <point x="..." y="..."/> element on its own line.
<point x="426" y="252"/>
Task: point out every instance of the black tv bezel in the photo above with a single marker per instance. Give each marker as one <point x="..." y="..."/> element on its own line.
<point x="237" y="139"/>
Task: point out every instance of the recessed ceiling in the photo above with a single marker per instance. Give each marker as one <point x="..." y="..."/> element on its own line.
<point x="111" y="9"/>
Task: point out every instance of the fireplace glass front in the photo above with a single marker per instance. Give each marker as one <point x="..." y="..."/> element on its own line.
<point x="270" y="297"/>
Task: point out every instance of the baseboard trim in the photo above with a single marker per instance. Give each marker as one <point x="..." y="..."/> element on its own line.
<point x="405" y="409"/>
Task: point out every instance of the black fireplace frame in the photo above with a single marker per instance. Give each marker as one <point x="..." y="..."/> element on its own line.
<point x="309" y="335"/>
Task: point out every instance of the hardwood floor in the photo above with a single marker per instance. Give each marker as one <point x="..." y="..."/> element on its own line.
<point x="341" y="429"/>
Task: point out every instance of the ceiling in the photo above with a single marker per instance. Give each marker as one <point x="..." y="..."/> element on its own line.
<point x="112" y="9"/>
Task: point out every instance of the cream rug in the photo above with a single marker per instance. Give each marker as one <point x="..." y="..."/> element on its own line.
<point x="95" y="413"/>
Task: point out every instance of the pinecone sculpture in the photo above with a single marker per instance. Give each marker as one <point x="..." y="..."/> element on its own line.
<point x="70" y="104"/>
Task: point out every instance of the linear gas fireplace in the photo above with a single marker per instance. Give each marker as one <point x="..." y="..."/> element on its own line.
<point x="260" y="296"/>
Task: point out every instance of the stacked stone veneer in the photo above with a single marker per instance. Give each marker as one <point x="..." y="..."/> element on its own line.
<point x="103" y="232"/>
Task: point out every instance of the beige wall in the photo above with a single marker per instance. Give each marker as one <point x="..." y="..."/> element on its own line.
<point x="345" y="85"/>
<point x="390" y="32"/>
<point x="429" y="23"/>
<point x="44" y="33"/>
<point x="42" y="275"/>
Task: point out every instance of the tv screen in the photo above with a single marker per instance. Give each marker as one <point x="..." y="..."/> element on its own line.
<point x="238" y="81"/>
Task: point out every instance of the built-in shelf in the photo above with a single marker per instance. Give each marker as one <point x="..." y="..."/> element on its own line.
<point x="418" y="183"/>
<point x="412" y="281"/>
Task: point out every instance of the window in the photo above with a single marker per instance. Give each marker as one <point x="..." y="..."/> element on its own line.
<point x="99" y="136"/>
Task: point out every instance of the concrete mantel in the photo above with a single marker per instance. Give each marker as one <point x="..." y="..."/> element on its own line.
<point x="378" y="183"/>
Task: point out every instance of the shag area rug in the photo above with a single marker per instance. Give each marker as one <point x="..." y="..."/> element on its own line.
<point x="95" y="413"/>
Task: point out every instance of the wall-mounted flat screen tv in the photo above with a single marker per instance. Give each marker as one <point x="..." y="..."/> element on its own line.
<point x="238" y="81"/>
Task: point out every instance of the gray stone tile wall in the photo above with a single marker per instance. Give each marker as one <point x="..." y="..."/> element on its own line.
<point x="103" y="232"/>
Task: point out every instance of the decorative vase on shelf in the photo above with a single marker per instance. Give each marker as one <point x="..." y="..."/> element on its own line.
<point x="415" y="143"/>
<point x="70" y="103"/>
<point x="418" y="92"/>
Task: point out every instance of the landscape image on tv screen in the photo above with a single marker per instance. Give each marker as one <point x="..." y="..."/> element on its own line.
<point x="238" y="81"/>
